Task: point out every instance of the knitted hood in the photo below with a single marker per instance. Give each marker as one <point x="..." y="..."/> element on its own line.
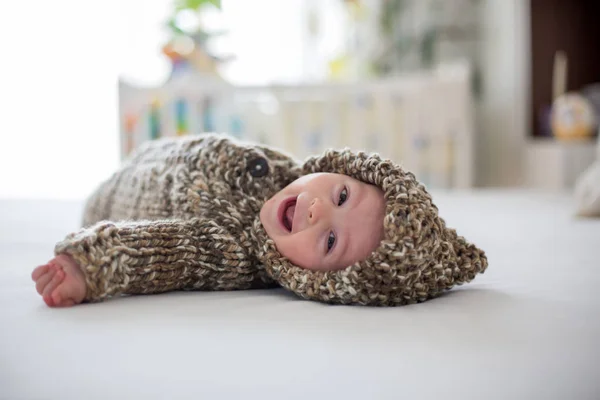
<point x="418" y="258"/>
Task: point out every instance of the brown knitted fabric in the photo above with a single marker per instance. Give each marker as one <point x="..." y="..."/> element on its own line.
<point x="180" y="214"/>
<point x="418" y="258"/>
<point x="185" y="215"/>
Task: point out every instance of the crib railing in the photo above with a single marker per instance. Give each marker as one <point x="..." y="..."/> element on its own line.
<point x="422" y="120"/>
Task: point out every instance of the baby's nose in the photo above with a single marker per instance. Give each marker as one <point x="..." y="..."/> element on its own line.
<point x="315" y="211"/>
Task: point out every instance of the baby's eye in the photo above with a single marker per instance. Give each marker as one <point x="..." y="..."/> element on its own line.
<point x="330" y="241"/>
<point x="343" y="196"/>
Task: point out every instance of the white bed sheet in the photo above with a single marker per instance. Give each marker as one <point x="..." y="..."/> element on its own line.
<point x="529" y="328"/>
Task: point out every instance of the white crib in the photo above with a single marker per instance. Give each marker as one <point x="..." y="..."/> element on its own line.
<point x="422" y="120"/>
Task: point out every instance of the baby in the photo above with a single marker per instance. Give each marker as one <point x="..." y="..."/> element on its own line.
<point x="207" y="212"/>
<point x="321" y="221"/>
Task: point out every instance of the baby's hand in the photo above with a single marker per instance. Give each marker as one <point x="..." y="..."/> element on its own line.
<point x="60" y="282"/>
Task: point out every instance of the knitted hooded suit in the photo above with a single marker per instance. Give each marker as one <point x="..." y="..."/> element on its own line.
<point x="183" y="214"/>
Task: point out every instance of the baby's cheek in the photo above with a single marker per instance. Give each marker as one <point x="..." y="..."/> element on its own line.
<point x="283" y="247"/>
<point x="271" y="203"/>
<point x="287" y="248"/>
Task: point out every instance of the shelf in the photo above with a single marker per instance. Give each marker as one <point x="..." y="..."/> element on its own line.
<point x="556" y="164"/>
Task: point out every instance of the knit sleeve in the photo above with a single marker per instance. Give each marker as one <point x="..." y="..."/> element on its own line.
<point x="142" y="257"/>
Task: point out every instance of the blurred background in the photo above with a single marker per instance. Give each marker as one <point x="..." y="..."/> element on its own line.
<point x="467" y="93"/>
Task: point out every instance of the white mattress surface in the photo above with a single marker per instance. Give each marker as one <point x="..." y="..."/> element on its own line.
<point x="529" y="328"/>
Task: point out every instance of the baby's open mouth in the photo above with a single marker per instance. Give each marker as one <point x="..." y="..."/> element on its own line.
<point x="287" y="216"/>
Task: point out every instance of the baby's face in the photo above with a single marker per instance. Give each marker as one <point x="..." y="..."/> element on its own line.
<point x="325" y="221"/>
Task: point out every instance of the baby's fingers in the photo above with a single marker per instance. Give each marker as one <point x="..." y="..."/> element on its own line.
<point x="66" y="303"/>
<point x="43" y="280"/>
<point x="60" y="298"/>
<point x="39" y="271"/>
<point x="58" y="277"/>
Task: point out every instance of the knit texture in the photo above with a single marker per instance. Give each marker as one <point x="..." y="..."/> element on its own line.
<point x="183" y="214"/>
<point x="177" y="216"/>
<point x="418" y="258"/>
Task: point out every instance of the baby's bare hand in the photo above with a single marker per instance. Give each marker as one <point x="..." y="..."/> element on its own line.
<point x="60" y="282"/>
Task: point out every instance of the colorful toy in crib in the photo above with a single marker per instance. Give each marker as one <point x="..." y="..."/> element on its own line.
<point x="186" y="56"/>
<point x="154" y="119"/>
<point x="130" y="125"/>
<point x="181" y="118"/>
<point x="188" y="48"/>
<point x="208" y="111"/>
<point x="183" y="115"/>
